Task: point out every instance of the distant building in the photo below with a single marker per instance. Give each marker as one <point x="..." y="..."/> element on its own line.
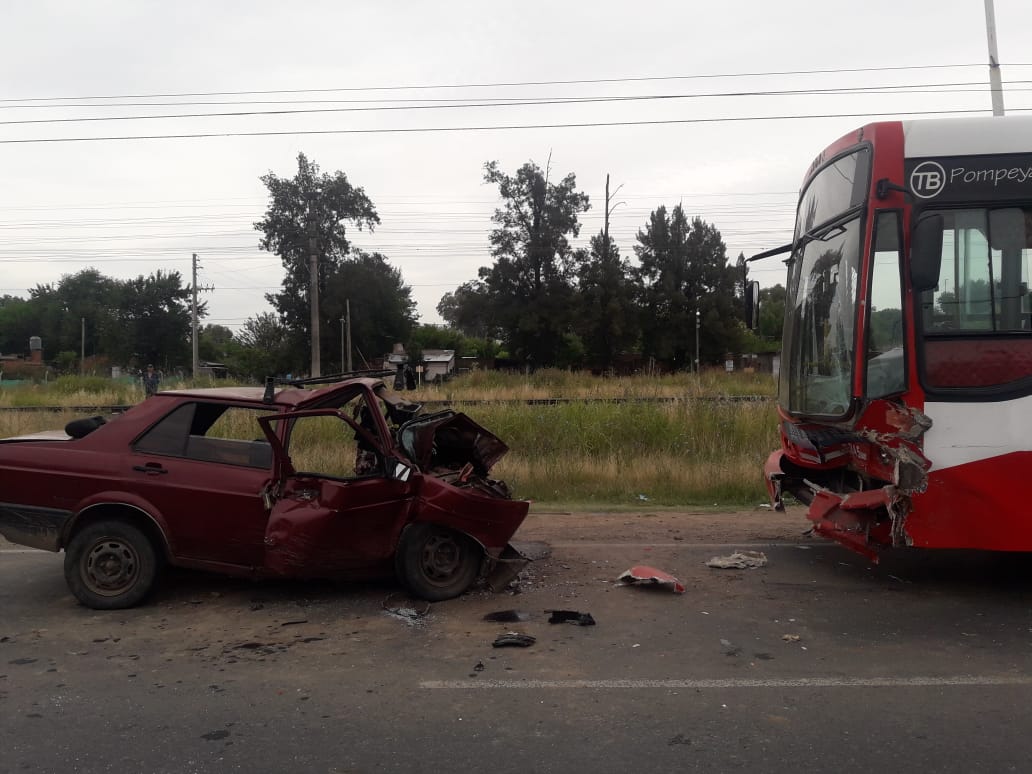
<point x="438" y="364"/>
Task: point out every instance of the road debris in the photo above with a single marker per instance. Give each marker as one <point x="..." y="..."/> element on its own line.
<point x="507" y="616"/>
<point x="641" y="575"/>
<point x="570" y="616"/>
<point x="790" y="637"/>
<point x="402" y="606"/>
<point x="739" y="560"/>
<point x="514" y="640"/>
<point x="729" y="648"/>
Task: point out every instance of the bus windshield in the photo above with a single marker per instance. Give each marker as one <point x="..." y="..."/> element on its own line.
<point x="820" y="311"/>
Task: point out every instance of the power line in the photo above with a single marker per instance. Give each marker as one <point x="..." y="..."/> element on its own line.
<point x="928" y="88"/>
<point x="426" y="129"/>
<point x="632" y="79"/>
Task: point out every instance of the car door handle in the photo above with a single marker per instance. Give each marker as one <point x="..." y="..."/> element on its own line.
<point x="151" y="468"/>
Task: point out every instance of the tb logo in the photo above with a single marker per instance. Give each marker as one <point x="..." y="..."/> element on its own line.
<point x="928" y="179"/>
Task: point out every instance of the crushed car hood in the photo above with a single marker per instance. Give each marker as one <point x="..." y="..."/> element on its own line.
<point x="450" y="440"/>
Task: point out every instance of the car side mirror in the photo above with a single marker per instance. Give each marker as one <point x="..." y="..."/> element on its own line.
<point x="398" y="471"/>
<point x="926" y="253"/>
<point x="752" y="305"/>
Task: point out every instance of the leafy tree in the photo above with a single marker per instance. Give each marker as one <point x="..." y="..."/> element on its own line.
<point x="382" y="309"/>
<point x="607" y="318"/>
<point x="264" y="348"/>
<point x="530" y="285"/>
<point x="215" y="343"/>
<point x="470" y="310"/>
<point x="310" y="211"/>
<point x="18" y="322"/>
<point x="153" y="314"/>
<point x="772" y="313"/>
<point x="684" y="271"/>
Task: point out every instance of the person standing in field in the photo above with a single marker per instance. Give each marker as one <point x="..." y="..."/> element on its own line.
<point x="151" y="380"/>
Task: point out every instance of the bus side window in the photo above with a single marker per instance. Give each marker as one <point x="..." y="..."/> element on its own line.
<point x="886" y="367"/>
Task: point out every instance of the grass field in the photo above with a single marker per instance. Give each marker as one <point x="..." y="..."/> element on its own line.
<point x="689" y="450"/>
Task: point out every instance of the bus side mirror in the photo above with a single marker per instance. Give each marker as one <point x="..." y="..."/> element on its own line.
<point x="752" y="305"/>
<point x="926" y="253"/>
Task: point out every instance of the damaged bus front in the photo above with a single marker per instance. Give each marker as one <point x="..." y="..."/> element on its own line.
<point x="905" y="397"/>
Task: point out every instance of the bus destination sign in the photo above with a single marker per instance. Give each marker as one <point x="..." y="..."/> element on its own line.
<point x="957" y="179"/>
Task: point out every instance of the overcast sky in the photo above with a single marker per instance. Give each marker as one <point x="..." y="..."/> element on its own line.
<point x="133" y="206"/>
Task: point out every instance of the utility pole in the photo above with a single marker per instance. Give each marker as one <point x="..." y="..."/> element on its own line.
<point x="995" y="81"/>
<point x="82" y="356"/>
<point x="313" y="292"/>
<point x="609" y="211"/>
<point x="698" y="359"/>
<point x="347" y="306"/>
<point x="193" y="317"/>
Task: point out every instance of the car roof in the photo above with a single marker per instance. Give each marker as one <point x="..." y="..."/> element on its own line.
<point x="286" y="397"/>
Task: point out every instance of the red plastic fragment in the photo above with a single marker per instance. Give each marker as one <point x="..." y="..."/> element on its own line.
<point x="650" y="576"/>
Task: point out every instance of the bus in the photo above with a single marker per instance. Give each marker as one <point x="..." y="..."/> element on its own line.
<point x="905" y="390"/>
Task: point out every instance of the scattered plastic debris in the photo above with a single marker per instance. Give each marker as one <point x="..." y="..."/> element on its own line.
<point x="644" y="498"/>
<point x="570" y="616"/>
<point x="790" y="637"/>
<point x="729" y="648"/>
<point x="650" y="576"/>
<point x="739" y="560"/>
<point x="514" y="640"/>
<point x="507" y="616"/>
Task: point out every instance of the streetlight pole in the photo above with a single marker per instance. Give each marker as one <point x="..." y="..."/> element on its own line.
<point x="698" y="324"/>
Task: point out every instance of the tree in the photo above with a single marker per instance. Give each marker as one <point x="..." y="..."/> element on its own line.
<point x="382" y="309"/>
<point x="215" y="343"/>
<point x="772" y="313"/>
<point x="153" y="314"/>
<point x="264" y="348"/>
<point x="530" y="285"/>
<point x="469" y="309"/>
<point x="607" y="317"/>
<point x="310" y="212"/>
<point x="684" y="271"/>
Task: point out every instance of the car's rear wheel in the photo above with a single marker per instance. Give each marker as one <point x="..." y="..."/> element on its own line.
<point x="437" y="563"/>
<point x="110" y="565"/>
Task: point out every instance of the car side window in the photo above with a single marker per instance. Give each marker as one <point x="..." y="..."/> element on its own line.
<point x="210" y="432"/>
<point x="335" y="446"/>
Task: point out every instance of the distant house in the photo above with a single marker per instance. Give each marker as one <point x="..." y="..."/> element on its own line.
<point x="438" y="364"/>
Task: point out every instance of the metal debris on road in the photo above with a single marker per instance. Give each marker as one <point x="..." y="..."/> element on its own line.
<point x="642" y="575"/>
<point x="507" y="616"/>
<point x="739" y="560"/>
<point x="514" y="640"/>
<point x="570" y="616"/>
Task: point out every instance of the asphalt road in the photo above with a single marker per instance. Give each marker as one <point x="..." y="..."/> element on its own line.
<point x="921" y="662"/>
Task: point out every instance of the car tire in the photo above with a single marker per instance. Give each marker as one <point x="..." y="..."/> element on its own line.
<point x="436" y="563"/>
<point x="110" y="565"/>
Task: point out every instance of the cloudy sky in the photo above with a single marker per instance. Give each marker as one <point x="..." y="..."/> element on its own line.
<point x="410" y="99"/>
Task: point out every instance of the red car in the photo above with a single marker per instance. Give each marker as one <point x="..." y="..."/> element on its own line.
<point x="344" y="482"/>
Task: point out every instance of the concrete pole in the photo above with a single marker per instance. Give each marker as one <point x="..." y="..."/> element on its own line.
<point x="193" y="320"/>
<point x="995" y="81"/>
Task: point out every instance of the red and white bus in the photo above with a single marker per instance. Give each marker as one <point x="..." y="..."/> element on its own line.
<point x="905" y="397"/>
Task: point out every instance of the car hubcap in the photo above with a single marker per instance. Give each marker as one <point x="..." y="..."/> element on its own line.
<point x="110" y="567"/>
<point x="442" y="557"/>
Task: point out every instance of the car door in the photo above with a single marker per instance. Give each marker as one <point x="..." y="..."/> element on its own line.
<point x="203" y="470"/>
<point x="335" y="509"/>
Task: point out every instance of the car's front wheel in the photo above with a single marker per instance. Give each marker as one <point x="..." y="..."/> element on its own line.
<point x="437" y="563"/>
<point x="110" y="565"/>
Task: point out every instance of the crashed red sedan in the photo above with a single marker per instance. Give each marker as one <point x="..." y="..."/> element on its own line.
<point x="344" y="482"/>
